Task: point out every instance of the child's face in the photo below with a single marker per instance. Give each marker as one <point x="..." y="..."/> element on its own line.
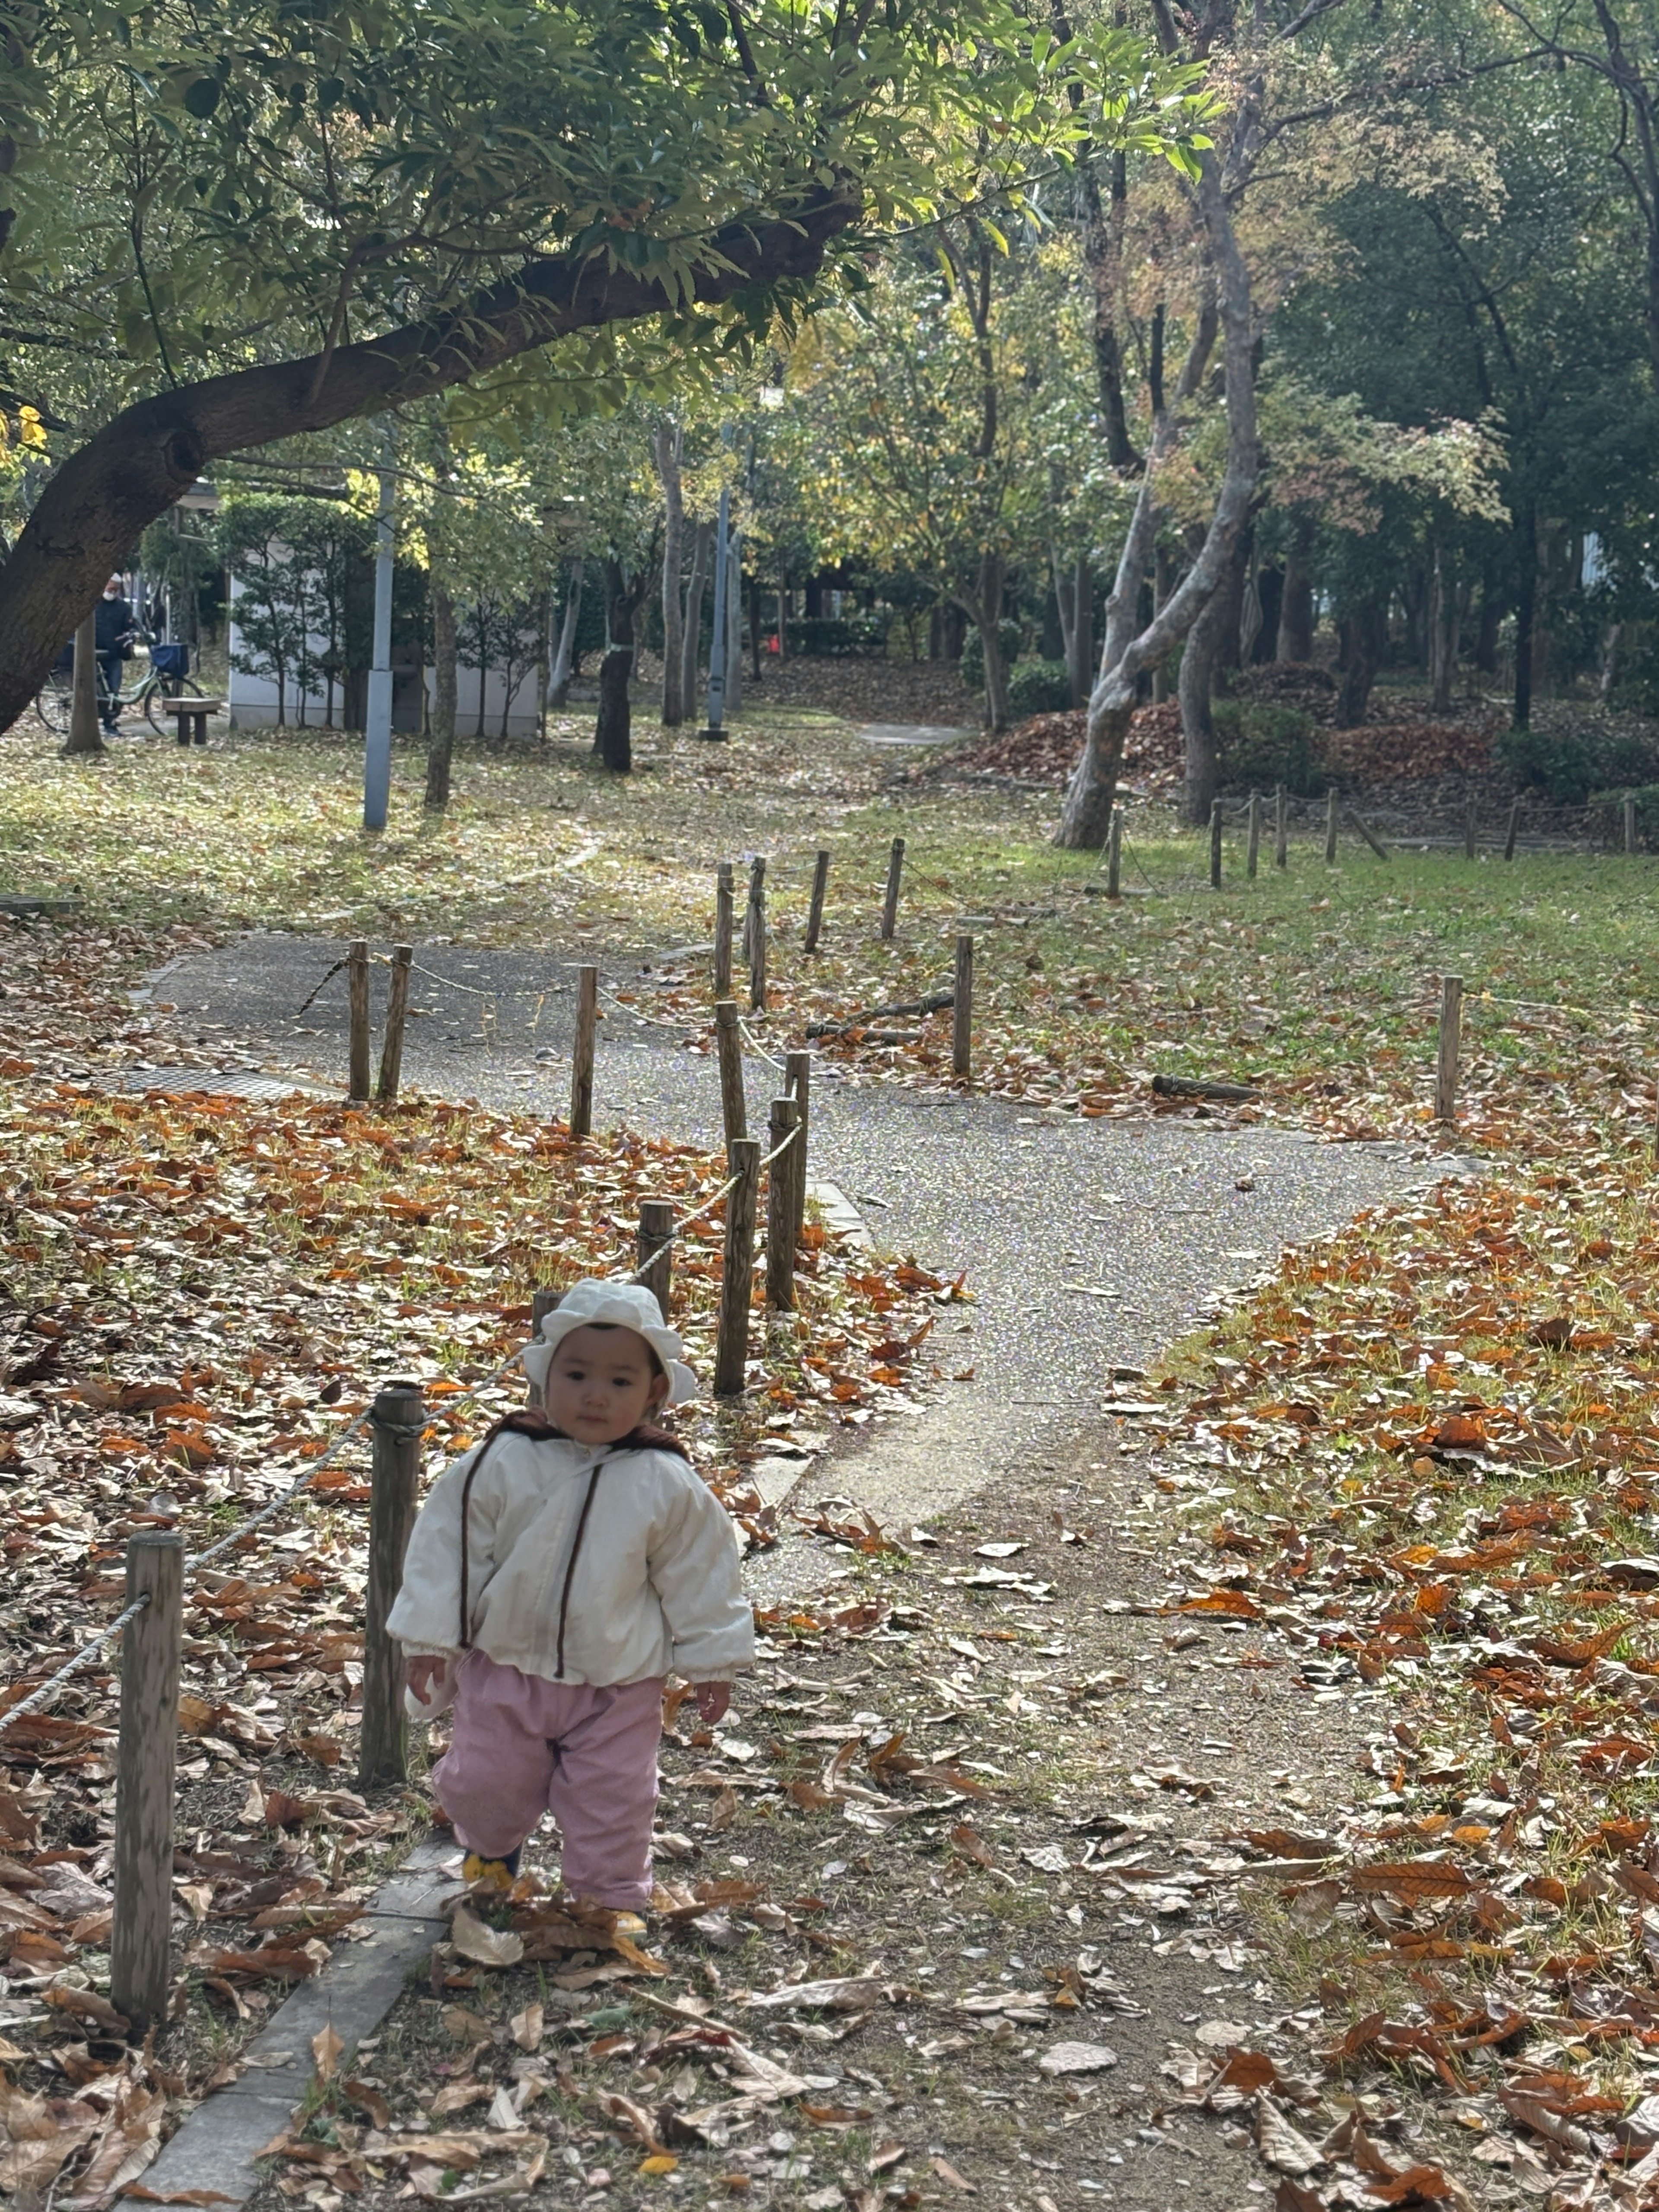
<point x="602" y="1384"/>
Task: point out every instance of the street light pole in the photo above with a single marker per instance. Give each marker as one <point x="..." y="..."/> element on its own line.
<point x="377" y="732"/>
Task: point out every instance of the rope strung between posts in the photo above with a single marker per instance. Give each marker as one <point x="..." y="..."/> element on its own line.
<point x="38" y="1697"/>
<point x="633" y="1013"/>
<point x="758" y="1048"/>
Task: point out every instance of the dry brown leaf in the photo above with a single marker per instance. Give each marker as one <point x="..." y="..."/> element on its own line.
<point x="485" y="1946"/>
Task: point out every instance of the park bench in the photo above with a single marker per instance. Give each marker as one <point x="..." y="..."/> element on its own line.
<point x="191" y="716"/>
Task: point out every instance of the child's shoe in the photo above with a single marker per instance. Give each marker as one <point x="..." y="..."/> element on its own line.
<point x="500" y="1874"/>
<point x="630" y="1924"/>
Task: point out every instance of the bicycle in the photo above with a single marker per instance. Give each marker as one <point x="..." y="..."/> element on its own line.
<point x="54" y="701"/>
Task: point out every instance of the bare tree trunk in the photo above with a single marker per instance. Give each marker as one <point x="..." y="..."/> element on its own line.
<point x="1296" y="610"/>
<point x="543" y="659"/>
<point x="1526" y="610"/>
<point x="666" y="447"/>
<point x="613" y="732"/>
<point x="1366" y="634"/>
<point x="446" y="688"/>
<point x="1198" y="665"/>
<point x="84" y="735"/>
<point x="1445" y="611"/>
<point x="1490" y="621"/>
<point x="564" y="658"/>
<point x="1086" y="817"/>
<point x="702" y="547"/>
<point x="983" y="607"/>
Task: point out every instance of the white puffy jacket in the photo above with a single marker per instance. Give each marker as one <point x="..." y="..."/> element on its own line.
<point x="654" y="1584"/>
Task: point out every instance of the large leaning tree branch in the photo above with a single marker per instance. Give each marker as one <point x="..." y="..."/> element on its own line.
<point x="1086" y="817"/>
<point x="135" y="469"/>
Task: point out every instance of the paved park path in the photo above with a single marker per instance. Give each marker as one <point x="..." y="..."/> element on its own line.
<point x="1088" y="1244"/>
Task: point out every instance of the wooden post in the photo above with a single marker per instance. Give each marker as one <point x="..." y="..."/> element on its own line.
<point x="1630" y="822"/>
<point x="1451" y="1027"/>
<point x="815" y="912"/>
<point x="397" y="1017"/>
<point x="1281" y="830"/>
<point x="798" y="1081"/>
<point x="962" y="1010"/>
<point x="737" y="1281"/>
<point x="754" y="937"/>
<point x="84" y="733"/>
<point x="780" y="1206"/>
<point x="1470" y="826"/>
<point x="1215" y="844"/>
<point x="395" y="1423"/>
<point x="1330" y="827"/>
<point x="140" y="1975"/>
<point x="1252" y="850"/>
<point x="655" y="1249"/>
<point x="582" y="1051"/>
<point x="723" y="930"/>
<point x="890" y="903"/>
<point x="357" y="1001"/>
<point x="542" y="1303"/>
<point x="1115" y="855"/>
<point x="1509" y="834"/>
<point x="728" y="1045"/>
<point x="1358" y="822"/>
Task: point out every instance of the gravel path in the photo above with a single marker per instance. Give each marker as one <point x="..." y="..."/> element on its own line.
<point x="1088" y="1244"/>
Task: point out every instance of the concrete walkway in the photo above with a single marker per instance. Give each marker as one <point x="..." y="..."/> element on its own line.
<point x="1088" y="1245"/>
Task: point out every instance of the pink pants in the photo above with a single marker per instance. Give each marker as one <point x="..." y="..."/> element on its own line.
<point x="523" y="1746"/>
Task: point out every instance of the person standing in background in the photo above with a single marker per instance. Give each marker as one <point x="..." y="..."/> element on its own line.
<point x="117" y="627"/>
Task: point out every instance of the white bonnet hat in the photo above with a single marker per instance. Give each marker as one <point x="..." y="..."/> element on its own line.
<point x="611" y="1305"/>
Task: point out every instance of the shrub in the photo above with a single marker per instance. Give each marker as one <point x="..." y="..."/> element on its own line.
<point x="973" y="653"/>
<point x="1568" y="766"/>
<point x="1262" y="745"/>
<point x="1038" y="687"/>
<point x="838" y="637"/>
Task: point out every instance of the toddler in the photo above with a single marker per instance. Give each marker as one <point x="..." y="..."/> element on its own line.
<point x="557" y="1572"/>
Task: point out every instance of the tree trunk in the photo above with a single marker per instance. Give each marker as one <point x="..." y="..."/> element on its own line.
<point x="84" y="734"/>
<point x="735" y="626"/>
<point x="1229" y="652"/>
<point x="1296" y="610"/>
<point x="1198" y="666"/>
<point x="1270" y="598"/>
<point x="564" y="658"/>
<point x="101" y="500"/>
<point x="1445" y="611"/>
<point x="984" y="607"/>
<point x="1490" y="622"/>
<point x="755" y="628"/>
<point x="1103" y="232"/>
<point x="544" y="660"/>
<point x="1368" y="636"/>
<point x="666" y="447"/>
<point x="702" y="549"/>
<point x="1081" y="660"/>
<point x="613" y="732"/>
<point x="1526" y="608"/>
<point x="445" y="689"/>
<point x="1087" y="814"/>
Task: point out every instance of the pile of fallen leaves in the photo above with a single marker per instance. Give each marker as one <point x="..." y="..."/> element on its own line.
<point x="1435" y="1468"/>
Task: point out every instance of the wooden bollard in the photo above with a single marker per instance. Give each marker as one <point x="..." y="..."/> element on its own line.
<point x="815" y="911"/>
<point x="1281" y="829"/>
<point x="396" y="1020"/>
<point x="1253" y="849"/>
<point x="1509" y="833"/>
<point x="728" y="1047"/>
<point x="1470" y="825"/>
<point x="655" y="1249"/>
<point x="1452" y="1030"/>
<point x="890" y="903"/>
<point x="395" y="1423"/>
<point x="357" y="1004"/>
<point x="1115" y="855"/>
<point x="542" y="1303"/>
<point x="140" y="1964"/>
<point x="1630" y="822"/>
<point x="754" y="937"/>
<point x="723" y="903"/>
<point x="582" y="1051"/>
<point x="1330" y="827"/>
<point x="737" y="1281"/>
<point x="962" y="1010"/>
<point x="781" y="1213"/>
<point x="1215" y="844"/>
<point x="798" y="1081"/>
<point x="1357" y="822"/>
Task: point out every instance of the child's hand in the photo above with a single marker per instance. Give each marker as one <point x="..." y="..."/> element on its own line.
<point x="713" y="1700"/>
<point x="422" y="1673"/>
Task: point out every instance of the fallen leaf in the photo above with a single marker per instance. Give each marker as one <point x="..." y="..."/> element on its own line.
<point x="484" y="1945"/>
<point x="1077" y="2058"/>
<point x="326" y="2048"/>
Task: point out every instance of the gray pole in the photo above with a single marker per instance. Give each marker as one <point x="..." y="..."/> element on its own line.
<point x="377" y="747"/>
<point x="734" y="625"/>
<point x="714" y="727"/>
